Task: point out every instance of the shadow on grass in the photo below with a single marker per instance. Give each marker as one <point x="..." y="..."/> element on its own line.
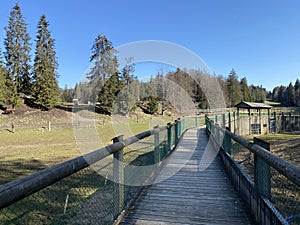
<point x="48" y="205"/>
<point x="82" y="198"/>
<point x="14" y="169"/>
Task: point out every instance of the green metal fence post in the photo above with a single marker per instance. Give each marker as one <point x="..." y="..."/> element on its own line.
<point x="217" y="135"/>
<point x="227" y="142"/>
<point x="207" y="124"/>
<point x="156" y="147"/>
<point x="169" y="137"/>
<point x="176" y="131"/>
<point x="196" y="121"/>
<point x="229" y="121"/>
<point x="262" y="173"/>
<point x="179" y="128"/>
<point x="224" y="120"/>
<point x="275" y="123"/>
<point x="118" y="173"/>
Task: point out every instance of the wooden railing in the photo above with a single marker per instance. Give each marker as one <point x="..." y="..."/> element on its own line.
<point x="259" y="193"/>
<point x="17" y="191"/>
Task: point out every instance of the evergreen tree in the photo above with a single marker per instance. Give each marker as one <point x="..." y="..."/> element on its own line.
<point x="258" y="93"/>
<point x="104" y="63"/>
<point x="67" y="94"/>
<point x="109" y="92"/>
<point x="290" y="95"/>
<point x="297" y="92"/>
<point x="2" y="81"/>
<point x="152" y="106"/>
<point x="161" y="90"/>
<point x="46" y="91"/>
<point x="233" y="87"/>
<point x="281" y="94"/>
<point x="245" y="90"/>
<point x="128" y="96"/>
<point x="275" y="94"/>
<point x="203" y="104"/>
<point x="17" y="54"/>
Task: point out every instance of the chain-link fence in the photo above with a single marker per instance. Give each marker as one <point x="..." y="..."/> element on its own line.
<point x="268" y="184"/>
<point x="91" y="189"/>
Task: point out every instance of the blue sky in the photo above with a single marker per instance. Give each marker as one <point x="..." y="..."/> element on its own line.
<point x="259" y="39"/>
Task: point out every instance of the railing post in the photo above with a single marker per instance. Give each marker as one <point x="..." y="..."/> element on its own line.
<point x="169" y="137"/>
<point x="118" y="173"/>
<point x="182" y="127"/>
<point x="156" y="147"/>
<point x="227" y="142"/>
<point x="224" y="120"/>
<point x="176" y="131"/>
<point x="179" y="128"/>
<point x="262" y="173"/>
<point x="217" y="136"/>
<point x="208" y="124"/>
<point x="196" y="121"/>
<point x="275" y="122"/>
<point x="229" y="121"/>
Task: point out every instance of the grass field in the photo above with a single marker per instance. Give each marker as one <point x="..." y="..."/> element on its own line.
<point x="32" y="147"/>
<point x="286" y="146"/>
<point x="285" y="194"/>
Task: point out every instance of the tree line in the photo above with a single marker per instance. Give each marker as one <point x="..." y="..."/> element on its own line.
<point x="115" y="90"/>
<point x="287" y="95"/>
<point x="18" y="76"/>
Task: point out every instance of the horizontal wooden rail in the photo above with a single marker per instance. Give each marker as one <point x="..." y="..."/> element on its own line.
<point x="16" y="190"/>
<point x="287" y="169"/>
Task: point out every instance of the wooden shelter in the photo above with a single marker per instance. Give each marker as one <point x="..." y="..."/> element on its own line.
<point x="256" y="124"/>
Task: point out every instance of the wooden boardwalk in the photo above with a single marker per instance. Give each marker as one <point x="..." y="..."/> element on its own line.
<point x="192" y="195"/>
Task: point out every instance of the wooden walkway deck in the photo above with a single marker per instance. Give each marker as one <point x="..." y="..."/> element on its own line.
<point x="191" y="196"/>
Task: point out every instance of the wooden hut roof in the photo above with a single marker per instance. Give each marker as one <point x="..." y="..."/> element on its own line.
<point x="252" y="105"/>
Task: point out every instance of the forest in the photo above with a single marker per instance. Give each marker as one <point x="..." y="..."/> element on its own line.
<point x="106" y="85"/>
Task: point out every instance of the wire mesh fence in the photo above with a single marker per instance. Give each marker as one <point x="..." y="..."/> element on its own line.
<point x="282" y="192"/>
<point x="95" y="195"/>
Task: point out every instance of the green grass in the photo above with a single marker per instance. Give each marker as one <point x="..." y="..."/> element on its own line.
<point x="28" y="150"/>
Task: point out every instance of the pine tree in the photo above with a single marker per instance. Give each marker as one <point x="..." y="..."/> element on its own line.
<point x="297" y="92"/>
<point x="258" y="93"/>
<point x="108" y="93"/>
<point x="233" y="87"/>
<point x="275" y="94"/>
<point x="245" y="90"/>
<point x="45" y="88"/>
<point x="104" y="63"/>
<point x="17" y="54"/>
<point x="290" y="95"/>
<point x="127" y="97"/>
<point x="281" y="94"/>
<point x="67" y="95"/>
<point x="2" y="81"/>
<point x="152" y="106"/>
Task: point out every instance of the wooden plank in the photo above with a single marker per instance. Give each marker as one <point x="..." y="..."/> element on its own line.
<point x="190" y="196"/>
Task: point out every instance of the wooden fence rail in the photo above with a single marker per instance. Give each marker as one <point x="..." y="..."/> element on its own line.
<point x="16" y="190"/>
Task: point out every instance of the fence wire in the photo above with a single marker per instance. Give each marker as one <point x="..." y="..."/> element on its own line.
<point x="283" y="193"/>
